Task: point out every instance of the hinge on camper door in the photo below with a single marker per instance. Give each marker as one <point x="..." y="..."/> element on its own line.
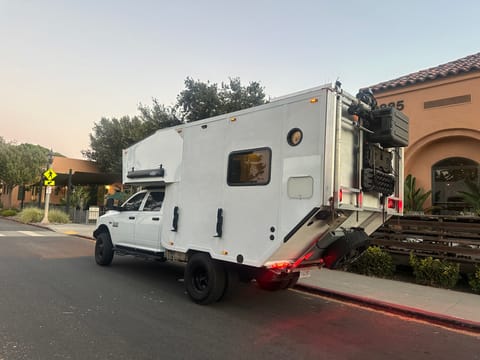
<point x="219" y="227"/>
<point x="175" y="219"/>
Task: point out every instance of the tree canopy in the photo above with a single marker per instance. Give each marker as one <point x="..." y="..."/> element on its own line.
<point x="198" y="100"/>
<point x="201" y="100"/>
<point x="21" y="164"/>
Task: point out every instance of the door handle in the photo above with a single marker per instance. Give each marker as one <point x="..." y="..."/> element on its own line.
<point x="131" y="218"/>
<point x="219" y="226"/>
<point x="155" y="218"/>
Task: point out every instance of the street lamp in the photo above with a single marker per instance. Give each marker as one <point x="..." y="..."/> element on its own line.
<point x="48" y="190"/>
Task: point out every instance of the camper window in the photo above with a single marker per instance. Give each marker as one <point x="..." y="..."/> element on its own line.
<point x="249" y="167"/>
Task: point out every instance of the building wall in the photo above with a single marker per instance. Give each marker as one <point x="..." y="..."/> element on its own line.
<point x="61" y="165"/>
<point x="444" y="122"/>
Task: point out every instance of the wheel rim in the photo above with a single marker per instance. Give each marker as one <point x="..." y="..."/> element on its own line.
<point x="200" y="280"/>
<point x="100" y="247"/>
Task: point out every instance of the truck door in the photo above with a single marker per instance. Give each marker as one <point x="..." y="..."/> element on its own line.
<point x="123" y="227"/>
<point x="148" y="220"/>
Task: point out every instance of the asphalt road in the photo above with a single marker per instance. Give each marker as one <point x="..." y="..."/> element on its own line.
<point x="56" y="303"/>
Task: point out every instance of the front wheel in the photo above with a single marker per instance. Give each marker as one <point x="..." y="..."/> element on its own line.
<point x="103" y="249"/>
<point x="205" y="279"/>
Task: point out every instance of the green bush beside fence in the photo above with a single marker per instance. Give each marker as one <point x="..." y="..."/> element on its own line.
<point x="35" y="215"/>
<point x="475" y="279"/>
<point x="435" y="272"/>
<point x="374" y="262"/>
<point x="8" y="212"/>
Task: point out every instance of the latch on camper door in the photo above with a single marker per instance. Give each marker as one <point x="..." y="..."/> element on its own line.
<point x="219" y="227"/>
<point x="175" y="219"/>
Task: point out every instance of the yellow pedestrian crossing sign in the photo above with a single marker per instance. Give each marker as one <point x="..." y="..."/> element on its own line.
<point x="50" y="175"/>
<point x="49" y="182"/>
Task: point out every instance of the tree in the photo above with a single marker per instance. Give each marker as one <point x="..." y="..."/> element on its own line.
<point x="233" y="96"/>
<point x="201" y="100"/>
<point x="157" y="117"/>
<point x="20" y="165"/>
<point x="110" y="137"/>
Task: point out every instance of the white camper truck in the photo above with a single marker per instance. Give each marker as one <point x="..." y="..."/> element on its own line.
<point x="263" y="193"/>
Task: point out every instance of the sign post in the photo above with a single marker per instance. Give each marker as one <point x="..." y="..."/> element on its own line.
<point x="49" y="175"/>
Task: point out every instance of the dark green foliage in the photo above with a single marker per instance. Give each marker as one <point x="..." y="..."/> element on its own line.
<point x="110" y="137"/>
<point x="201" y="100"/>
<point x="472" y="196"/>
<point x="474" y="281"/>
<point x="414" y="198"/>
<point x="157" y="117"/>
<point x="8" y="212"/>
<point x="435" y="272"/>
<point x="374" y="262"/>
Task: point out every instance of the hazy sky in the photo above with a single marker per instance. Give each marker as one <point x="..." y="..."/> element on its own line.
<point x="66" y="64"/>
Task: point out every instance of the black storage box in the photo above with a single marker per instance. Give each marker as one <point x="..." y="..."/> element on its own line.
<point x="390" y="128"/>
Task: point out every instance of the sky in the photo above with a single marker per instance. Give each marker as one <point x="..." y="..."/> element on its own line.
<point x="66" y="64"/>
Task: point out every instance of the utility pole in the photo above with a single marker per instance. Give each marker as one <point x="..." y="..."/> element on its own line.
<point x="48" y="191"/>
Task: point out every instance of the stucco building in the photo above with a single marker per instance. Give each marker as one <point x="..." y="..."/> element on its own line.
<point x="73" y="172"/>
<point x="443" y="104"/>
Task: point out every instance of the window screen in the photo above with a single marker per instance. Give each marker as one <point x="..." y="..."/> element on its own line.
<point x="249" y="167"/>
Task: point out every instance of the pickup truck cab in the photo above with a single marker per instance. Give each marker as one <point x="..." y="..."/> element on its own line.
<point x="132" y="228"/>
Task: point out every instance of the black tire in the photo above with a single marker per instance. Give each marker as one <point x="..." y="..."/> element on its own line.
<point x="345" y="250"/>
<point x="205" y="279"/>
<point x="103" y="249"/>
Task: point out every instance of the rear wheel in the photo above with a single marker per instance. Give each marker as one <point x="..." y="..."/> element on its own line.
<point x="103" y="249"/>
<point x="346" y="250"/>
<point x="205" y="279"/>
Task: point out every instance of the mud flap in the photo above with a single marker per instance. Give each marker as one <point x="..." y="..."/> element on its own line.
<point x="346" y="249"/>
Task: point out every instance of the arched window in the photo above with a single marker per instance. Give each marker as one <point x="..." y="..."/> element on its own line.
<point x="448" y="178"/>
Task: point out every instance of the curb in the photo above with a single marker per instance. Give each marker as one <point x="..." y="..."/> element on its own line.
<point x="438" y="319"/>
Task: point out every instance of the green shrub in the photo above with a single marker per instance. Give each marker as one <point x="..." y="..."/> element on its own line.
<point x="58" y="216"/>
<point x="8" y="212"/>
<point x="30" y="215"/>
<point x="475" y="279"/>
<point x="374" y="262"/>
<point x="435" y="272"/>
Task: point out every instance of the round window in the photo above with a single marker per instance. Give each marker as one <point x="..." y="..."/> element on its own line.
<point x="294" y="137"/>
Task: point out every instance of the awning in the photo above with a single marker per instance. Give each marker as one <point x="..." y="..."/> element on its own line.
<point x="87" y="178"/>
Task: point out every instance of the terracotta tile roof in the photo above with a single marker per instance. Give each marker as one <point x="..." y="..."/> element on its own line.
<point x="457" y="67"/>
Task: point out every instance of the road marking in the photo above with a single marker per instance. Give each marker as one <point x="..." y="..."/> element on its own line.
<point x="45" y="234"/>
<point x="32" y="233"/>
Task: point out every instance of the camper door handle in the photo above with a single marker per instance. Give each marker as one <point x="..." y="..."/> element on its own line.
<point x="175" y="219"/>
<point x="219" y="227"/>
<point x="155" y="218"/>
<point x="131" y="218"/>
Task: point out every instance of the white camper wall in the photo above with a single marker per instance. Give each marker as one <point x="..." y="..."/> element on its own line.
<point x="256" y="217"/>
<point x="164" y="147"/>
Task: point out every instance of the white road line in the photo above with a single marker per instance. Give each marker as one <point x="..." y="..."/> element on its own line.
<point x="32" y="233"/>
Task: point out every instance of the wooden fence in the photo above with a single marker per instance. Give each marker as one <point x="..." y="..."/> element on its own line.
<point x="453" y="238"/>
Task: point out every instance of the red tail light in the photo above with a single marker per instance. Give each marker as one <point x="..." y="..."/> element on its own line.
<point x="391" y="203"/>
<point x="395" y="204"/>
<point x="340" y="195"/>
<point x="360" y="199"/>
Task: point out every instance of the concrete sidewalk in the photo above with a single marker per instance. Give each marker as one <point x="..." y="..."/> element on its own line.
<point x="446" y="307"/>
